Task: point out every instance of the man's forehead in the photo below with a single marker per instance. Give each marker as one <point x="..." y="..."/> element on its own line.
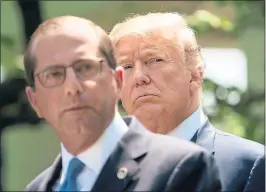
<point x="65" y="23"/>
<point x="64" y="48"/>
<point x="65" y="41"/>
<point x="70" y="32"/>
<point x="131" y="43"/>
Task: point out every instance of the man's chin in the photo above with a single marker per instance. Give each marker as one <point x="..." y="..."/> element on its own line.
<point x="79" y="125"/>
<point x="147" y="109"/>
<point x="77" y="128"/>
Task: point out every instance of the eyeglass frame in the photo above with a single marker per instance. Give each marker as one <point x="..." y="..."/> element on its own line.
<point x="99" y="70"/>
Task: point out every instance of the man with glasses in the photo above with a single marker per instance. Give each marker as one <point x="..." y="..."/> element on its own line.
<point x="70" y="68"/>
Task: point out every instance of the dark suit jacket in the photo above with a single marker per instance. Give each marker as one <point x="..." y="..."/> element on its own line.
<point x="236" y="157"/>
<point x="154" y="163"/>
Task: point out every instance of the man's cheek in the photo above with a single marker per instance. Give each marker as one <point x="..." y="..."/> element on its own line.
<point x="126" y="103"/>
<point x="125" y="81"/>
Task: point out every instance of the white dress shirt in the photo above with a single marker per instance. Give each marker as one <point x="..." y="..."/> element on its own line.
<point x="189" y="126"/>
<point x="96" y="156"/>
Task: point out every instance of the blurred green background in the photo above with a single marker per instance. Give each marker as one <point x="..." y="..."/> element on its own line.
<point x="28" y="149"/>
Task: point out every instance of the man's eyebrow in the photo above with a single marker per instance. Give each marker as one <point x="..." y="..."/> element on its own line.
<point x="154" y="52"/>
<point x="123" y="58"/>
<point x="90" y="59"/>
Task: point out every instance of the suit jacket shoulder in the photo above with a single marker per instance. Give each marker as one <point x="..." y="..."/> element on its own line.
<point x="173" y="147"/>
<point x="238" y="145"/>
<point x="46" y="179"/>
<point x="235" y="156"/>
<point x="35" y="183"/>
<point x="194" y="167"/>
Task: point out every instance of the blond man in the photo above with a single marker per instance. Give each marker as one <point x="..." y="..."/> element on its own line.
<point x="162" y="87"/>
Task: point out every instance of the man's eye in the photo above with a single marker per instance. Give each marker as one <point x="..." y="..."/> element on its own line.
<point x="127" y="67"/>
<point x="156" y="60"/>
<point x="54" y="74"/>
<point x="83" y="68"/>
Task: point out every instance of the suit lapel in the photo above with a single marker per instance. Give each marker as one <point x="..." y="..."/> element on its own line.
<point x="122" y="165"/>
<point x="108" y="179"/>
<point x="205" y="137"/>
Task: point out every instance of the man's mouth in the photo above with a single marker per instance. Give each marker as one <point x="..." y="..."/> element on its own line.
<point x="76" y="108"/>
<point x="145" y="96"/>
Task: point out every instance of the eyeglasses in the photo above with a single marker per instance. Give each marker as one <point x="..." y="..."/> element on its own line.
<point x="55" y="75"/>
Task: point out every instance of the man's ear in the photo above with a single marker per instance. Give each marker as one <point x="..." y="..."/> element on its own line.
<point x="119" y="78"/>
<point x="196" y="80"/>
<point x="33" y="101"/>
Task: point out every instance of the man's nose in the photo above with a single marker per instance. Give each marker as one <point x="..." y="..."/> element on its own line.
<point x="141" y="76"/>
<point x="73" y="84"/>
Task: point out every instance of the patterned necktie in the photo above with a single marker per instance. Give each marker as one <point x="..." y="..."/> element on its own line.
<point x="74" y="169"/>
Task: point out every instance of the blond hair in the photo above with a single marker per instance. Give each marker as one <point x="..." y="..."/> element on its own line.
<point x="170" y="25"/>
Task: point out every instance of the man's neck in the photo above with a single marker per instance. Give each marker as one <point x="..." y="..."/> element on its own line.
<point x="77" y="143"/>
<point x="188" y="128"/>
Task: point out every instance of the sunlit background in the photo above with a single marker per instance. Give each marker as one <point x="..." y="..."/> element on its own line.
<point x="232" y="37"/>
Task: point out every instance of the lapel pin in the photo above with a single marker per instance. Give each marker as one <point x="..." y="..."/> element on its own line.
<point x="122" y="173"/>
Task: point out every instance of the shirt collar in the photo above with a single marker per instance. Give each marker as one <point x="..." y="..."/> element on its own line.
<point x="189" y="126"/>
<point x="96" y="156"/>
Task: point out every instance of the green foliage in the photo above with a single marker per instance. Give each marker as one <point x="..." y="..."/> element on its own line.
<point x="8" y="54"/>
<point x="203" y="21"/>
<point x="248" y="13"/>
<point x="233" y="111"/>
